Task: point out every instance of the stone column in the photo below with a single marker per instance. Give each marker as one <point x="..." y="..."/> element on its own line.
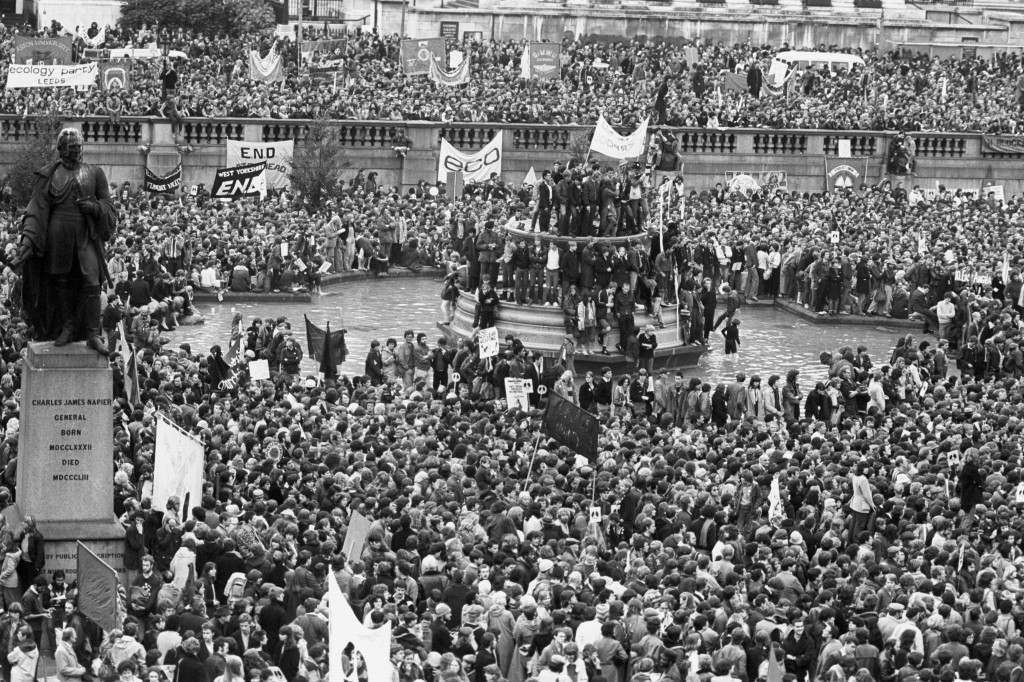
<point x="65" y="474"/>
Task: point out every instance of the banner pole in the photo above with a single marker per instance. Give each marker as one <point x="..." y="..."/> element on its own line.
<point x="529" y="469"/>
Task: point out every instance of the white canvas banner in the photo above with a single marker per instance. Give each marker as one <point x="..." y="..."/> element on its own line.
<point x="277" y="156"/>
<point x="343" y="628"/>
<point x="475" y="167"/>
<point x="608" y="142"/>
<point x="51" y="75"/>
<point x="177" y="467"/>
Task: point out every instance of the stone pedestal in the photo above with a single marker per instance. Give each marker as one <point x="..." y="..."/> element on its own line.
<point x="65" y="460"/>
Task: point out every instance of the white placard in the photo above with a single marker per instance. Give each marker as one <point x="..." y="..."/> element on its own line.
<point x="997" y="191"/>
<point x="844" y="148"/>
<point x="488" y="342"/>
<point x="516" y="393"/>
<point x="324" y="267"/>
<point x="259" y="370"/>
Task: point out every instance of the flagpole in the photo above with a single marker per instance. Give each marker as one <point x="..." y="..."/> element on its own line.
<point x="536" y="446"/>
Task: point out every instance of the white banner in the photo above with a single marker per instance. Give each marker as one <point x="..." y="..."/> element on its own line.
<point x="268" y="69"/>
<point x="145" y="53"/>
<point x="608" y="142"/>
<point x="475" y="167"/>
<point x="177" y="467"/>
<point x="52" y="75"/>
<point x="343" y="628"/>
<point x="277" y="156"/>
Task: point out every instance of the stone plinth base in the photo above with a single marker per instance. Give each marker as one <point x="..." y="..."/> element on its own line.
<point x="61" y="548"/>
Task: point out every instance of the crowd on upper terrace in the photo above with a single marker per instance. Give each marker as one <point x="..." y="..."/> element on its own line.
<point x="679" y="84"/>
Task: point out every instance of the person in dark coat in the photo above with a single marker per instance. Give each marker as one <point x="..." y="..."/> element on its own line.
<point x="971" y="483"/>
<point x="217" y="369"/>
<point x="271" y="618"/>
<point x="818" y="405"/>
<point x="374" y="368"/>
<point x="190" y="668"/>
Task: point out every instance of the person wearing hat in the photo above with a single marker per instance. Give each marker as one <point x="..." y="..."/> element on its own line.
<point x="440" y="635"/>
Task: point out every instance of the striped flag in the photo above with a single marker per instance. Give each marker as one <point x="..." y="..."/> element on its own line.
<point x="131" y="379"/>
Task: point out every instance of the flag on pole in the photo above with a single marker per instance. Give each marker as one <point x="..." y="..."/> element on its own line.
<point x="531" y="178"/>
<point x="328" y="367"/>
<point x="774" y="669"/>
<point x="235" y="345"/>
<point x="131" y="379"/>
<point x="97" y="589"/>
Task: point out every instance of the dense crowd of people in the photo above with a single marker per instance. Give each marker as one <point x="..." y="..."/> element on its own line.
<point x="858" y="525"/>
<point x="683" y="83"/>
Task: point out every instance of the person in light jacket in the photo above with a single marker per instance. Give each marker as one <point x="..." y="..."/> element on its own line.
<point x="68" y="667"/>
<point x="861" y="504"/>
<point x="24" y="657"/>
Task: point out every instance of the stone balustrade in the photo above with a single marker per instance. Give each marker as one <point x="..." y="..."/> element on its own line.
<point x="953" y="159"/>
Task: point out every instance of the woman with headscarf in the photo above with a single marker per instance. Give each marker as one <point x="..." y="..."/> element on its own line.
<point x="501" y="624"/>
<point x="526" y="629"/>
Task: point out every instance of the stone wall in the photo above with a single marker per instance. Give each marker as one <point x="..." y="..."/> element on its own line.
<point x="956" y="160"/>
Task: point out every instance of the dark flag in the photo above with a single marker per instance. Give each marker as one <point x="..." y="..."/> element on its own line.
<point x="97" y="589"/>
<point x="571" y="426"/>
<point x="327" y="365"/>
<point x="315" y="340"/>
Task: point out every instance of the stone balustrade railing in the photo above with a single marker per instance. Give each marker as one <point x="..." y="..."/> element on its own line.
<point x="519" y="136"/>
<point x="706" y="152"/>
